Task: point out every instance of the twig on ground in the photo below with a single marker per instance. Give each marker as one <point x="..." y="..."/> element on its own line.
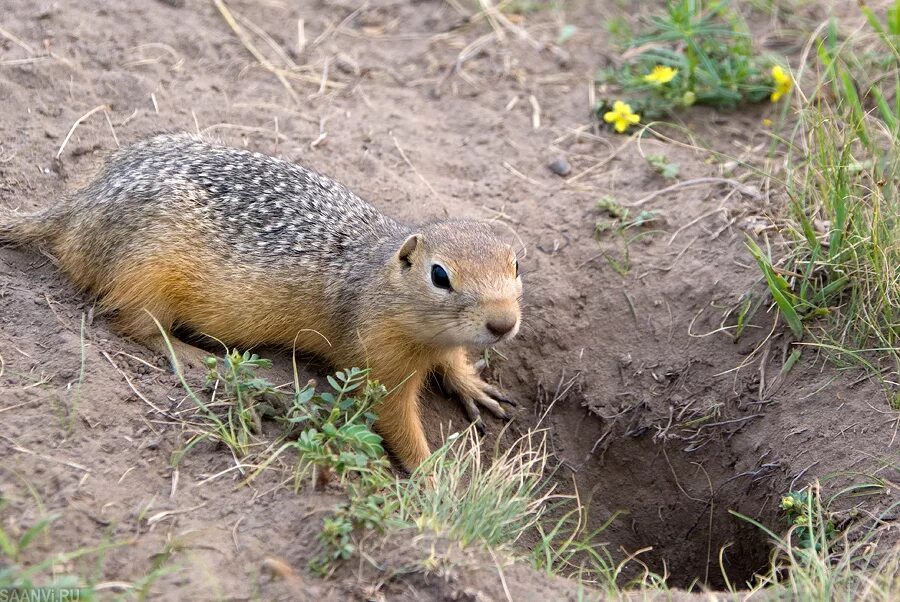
<point x="18" y="405"/>
<point x="601" y="163"/>
<point x="78" y="122"/>
<point x="743" y="188"/>
<point x="17" y="41"/>
<point x="535" y="112"/>
<point x="800" y="475"/>
<point x="131" y="384"/>
<point x="16" y="447"/>
<point x="167" y="513"/>
<point x="413" y="167"/>
<point x="692" y="222"/>
<point x="252" y="49"/>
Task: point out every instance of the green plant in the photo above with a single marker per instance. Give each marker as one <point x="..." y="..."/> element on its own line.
<point x="12" y="547"/>
<point x="331" y="432"/>
<point x="822" y="558"/>
<point x="20" y="577"/>
<point x="336" y="440"/>
<point x="454" y="493"/>
<point x="662" y="166"/>
<point x="335" y="427"/>
<point x="812" y="528"/>
<point x="887" y="27"/>
<point x="619" y="221"/>
<point x="837" y="283"/>
<point x="565" y="548"/>
<point x="458" y="492"/>
<point x="242" y="394"/>
<point x="694" y="53"/>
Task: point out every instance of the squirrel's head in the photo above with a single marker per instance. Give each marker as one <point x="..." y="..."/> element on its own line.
<point x="462" y="284"/>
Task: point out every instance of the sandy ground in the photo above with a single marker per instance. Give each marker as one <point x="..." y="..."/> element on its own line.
<point x="652" y="406"/>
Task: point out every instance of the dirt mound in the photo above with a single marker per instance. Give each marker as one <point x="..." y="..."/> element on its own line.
<point x="628" y="355"/>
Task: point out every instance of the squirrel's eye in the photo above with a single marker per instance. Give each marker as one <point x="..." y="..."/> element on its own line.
<point x="517" y="268"/>
<point x="439" y="277"/>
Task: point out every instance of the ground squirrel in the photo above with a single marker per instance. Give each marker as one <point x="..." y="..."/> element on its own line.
<point x="254" y="250"/>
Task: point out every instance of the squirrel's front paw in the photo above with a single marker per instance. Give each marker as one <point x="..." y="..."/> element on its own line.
<point x="472" y="392"/>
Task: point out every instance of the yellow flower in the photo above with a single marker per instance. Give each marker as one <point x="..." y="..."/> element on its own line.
<point x="661" y="75"/>
<point x="621" y="116"/>
<point x="783" y="82"/>
<point x="787" y="502"/>
<point x="767" y="122"/>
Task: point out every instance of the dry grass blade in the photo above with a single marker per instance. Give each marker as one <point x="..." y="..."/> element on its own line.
<point x="131" y="385"/>
<point x="17" y="41"/>
<point x="285" y="58"/>
<point x="252" y="49"/>
<point x="413" y="167"/>
<point x="78" y="122"/>
<point x="743" y="188"/>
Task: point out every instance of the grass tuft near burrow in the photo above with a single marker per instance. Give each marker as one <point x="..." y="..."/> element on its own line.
<point x="836" y="278"/>
<point x="459" y="492"/>
<point x="831" y="555"/>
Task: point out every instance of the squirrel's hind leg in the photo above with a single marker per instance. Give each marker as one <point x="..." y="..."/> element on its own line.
<point x="156" y="335"/>
<point x="185" y="353"/>
<point x="150" y="296"/>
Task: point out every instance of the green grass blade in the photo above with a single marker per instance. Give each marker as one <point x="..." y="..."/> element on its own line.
<point x="779" y="289"/>
<point x="34" y="530"/>
<point x="889" y="117"/>
<point x="8" y="546"/>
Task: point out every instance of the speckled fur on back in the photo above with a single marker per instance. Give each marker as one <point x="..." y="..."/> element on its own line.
<point x="248" y="205"/>
<point x="262" y="206"/>
<point x="178" y="232"/>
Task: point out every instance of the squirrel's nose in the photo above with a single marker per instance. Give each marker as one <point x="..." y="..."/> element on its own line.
<point x="500" y="326"/>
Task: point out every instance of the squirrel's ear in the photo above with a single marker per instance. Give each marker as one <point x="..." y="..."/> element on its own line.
<point x="406" y="249"/>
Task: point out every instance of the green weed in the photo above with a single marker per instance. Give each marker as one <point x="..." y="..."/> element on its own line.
<point x="330" y="431"/>
<point x="662" y="166"/>
<point x="567" y="549"/>
<point x="243" y="394"/>
<point x="824" y="556"/>
<point x="618" y="221"/>
<point x="337" y="433"/>
<point x="458" y="493"/>
<point x="336" y="440"/>
<point x="811" y="528"/>
<point x="12" y="547"/>
<point x="693" y="53"/>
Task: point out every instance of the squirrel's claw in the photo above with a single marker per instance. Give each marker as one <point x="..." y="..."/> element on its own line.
<point x="495" y="393"/>
<point x="479" y="426"/>
<point x="466" y="386"/>
<point x="487" y="400"/>
<point x="473" y="413"/>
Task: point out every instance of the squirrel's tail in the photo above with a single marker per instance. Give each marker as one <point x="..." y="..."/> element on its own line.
<point x="20" y="229"/>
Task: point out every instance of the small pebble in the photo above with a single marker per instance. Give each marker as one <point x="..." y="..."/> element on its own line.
<point x="560" y="166"/>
